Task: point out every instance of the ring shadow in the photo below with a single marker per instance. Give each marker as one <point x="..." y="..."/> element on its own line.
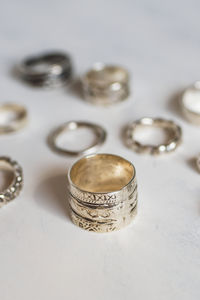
<point x="53" y="196"/>
<point x="174" y="104"/>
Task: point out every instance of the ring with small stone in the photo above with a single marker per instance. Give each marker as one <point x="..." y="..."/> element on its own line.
<point x="71" y="126"/>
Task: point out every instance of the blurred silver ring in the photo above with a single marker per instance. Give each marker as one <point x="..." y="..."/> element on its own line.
<point x="99" y="132"/>
<point x="172" y="143"/>
<point x="47" y="69"/>
<point x="105" y="84"/>
<point x="190" y="103"/>
<point x="13" y="190"/>
<point x="15" y="124"/>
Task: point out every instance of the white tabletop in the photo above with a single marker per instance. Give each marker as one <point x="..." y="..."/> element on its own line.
<point x="42" y="254"/>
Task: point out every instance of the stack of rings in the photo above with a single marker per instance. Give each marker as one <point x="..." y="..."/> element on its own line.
<point x="103" y="192"/>
<point x="174" y="131"/>
<point x="51" y="69"/>
<point x="105" y="84"/>
<point x="14" y="188"/>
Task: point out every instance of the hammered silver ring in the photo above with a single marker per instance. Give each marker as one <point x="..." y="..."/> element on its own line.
<point x="172" y="143"/>
<point x="14" y="188"/>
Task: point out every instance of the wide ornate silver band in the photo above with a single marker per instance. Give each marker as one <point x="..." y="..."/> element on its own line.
<point x="105" y="84"/>
<point x="190" y="103"/>
<point x="103" y="192"/>
<point x="99" y="132"/>
<point x="18" y="120"/>
<point x="14" y="188"/>
<point x="48" y="69"/>
<point x="173" y="130"/>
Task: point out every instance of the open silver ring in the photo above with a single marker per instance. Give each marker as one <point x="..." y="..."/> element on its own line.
<point x="99" y="132"/>
<point x="173" y="130"/>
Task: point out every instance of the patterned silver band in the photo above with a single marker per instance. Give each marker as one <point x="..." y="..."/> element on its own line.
<point x="173" y="130"/>
<point x="105" y="84"/>
<point x="13" y="190"/>
<point x="92" y="207"/>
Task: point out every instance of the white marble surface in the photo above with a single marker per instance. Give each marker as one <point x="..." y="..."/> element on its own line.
<point x="42" y="254"/>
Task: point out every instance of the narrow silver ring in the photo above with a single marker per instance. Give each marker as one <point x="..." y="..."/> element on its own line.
<point x="105" y="84"/>
<point x="15" y="124"/>
<point x="190" y="103"/>
<point x="47" y="69"/>
<point x="13" y="190"/>
<point x="173" y="142"/>
<point x="99" y="132"/>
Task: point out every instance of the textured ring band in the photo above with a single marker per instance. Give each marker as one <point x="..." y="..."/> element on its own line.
<point x="173" y="141"/>
<point x="103" y="192"/>
<point x="48" y="69"/>
<point x="99" y="132"/>
<point x="13" y="190"/>
<point x="17" y="122"/>
<point x="105" y="84"/>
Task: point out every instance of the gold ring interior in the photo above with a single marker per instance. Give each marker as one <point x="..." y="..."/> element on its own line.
<point x="102" y="173"/>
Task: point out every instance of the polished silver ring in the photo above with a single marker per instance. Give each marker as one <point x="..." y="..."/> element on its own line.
<point x="103" y="192"/>
<point x="173" y="130"/>
<point x="48" y="69"/>
<point x="105" y="84"/>
<point x="191" y="103"/>
<point x="18" y="120"/>
<point x="14" y="188"/>
<point x="99" y="132"/>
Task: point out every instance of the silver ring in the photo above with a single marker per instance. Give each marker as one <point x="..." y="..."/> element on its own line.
<point x="169" y="126"/>
<point x="191" y="103"/>
<point x="48" y="69"/>
<point x="15" y="123"/>
<point x="13" y="190"/>
<point x="99" y="132"/>
<point x="103" y="192"/>
<point x="105" y="84"/>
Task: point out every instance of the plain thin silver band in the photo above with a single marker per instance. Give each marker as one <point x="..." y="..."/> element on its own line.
<point x="73" y="125"/>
